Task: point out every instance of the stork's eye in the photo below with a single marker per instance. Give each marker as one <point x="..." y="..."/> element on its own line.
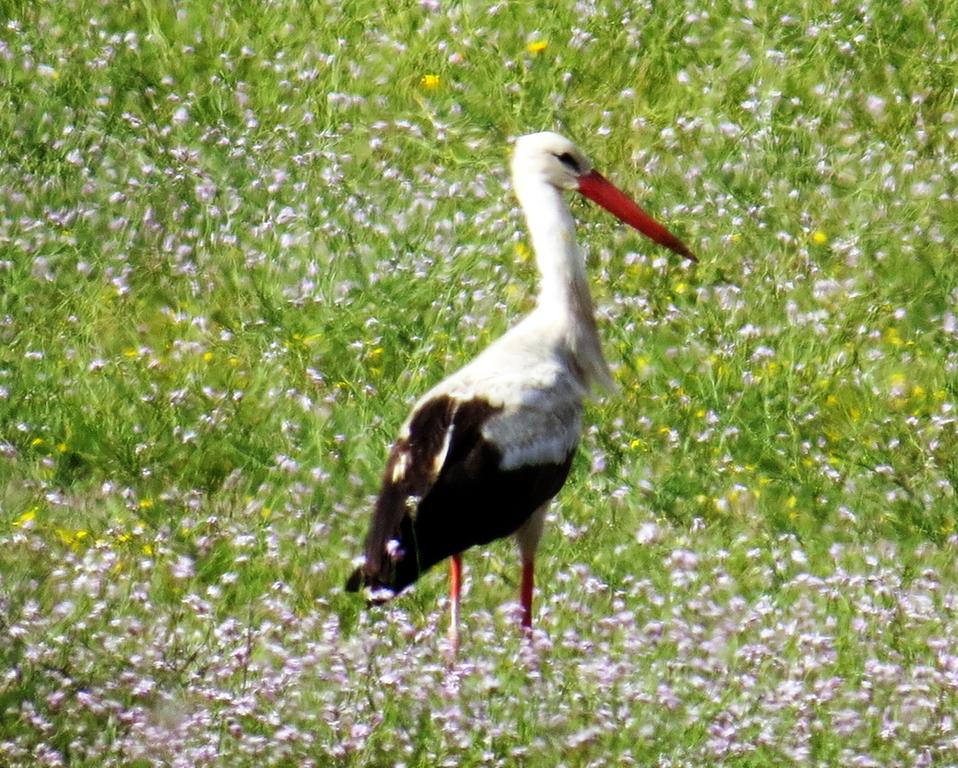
<point x="569" y="162"/>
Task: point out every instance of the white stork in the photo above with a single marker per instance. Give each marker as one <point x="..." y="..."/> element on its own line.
<point x="485" y="450"/>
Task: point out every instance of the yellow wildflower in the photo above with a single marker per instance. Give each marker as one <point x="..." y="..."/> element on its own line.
<point x="893" y="337"/>
<point x="430" y="81"/>
<point x="537" y="46"/>
<point x="26" y="519"/>
<point x="71" y="538"/>
<point x="819" y="237"/>
<point x="898" y="381"/>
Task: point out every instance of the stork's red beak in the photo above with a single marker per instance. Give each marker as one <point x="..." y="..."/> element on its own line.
<point x="602" y="191"/>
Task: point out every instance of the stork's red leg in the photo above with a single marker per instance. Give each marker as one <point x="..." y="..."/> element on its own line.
<point x="528" y="539"/>
<point x="455" y="586"/>
<point x="525" y="593"/>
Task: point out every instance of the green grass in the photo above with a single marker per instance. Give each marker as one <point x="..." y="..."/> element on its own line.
<point x="238" y="240"/>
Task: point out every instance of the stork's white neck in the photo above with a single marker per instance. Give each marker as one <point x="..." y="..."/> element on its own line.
<point x="561" y="268"/>
<point x="564" y="296"/>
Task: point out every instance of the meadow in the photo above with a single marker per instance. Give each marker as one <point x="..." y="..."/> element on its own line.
<point x="237" y="240"/>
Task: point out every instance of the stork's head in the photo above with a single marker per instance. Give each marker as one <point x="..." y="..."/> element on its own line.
<point x="553" y="159"/>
